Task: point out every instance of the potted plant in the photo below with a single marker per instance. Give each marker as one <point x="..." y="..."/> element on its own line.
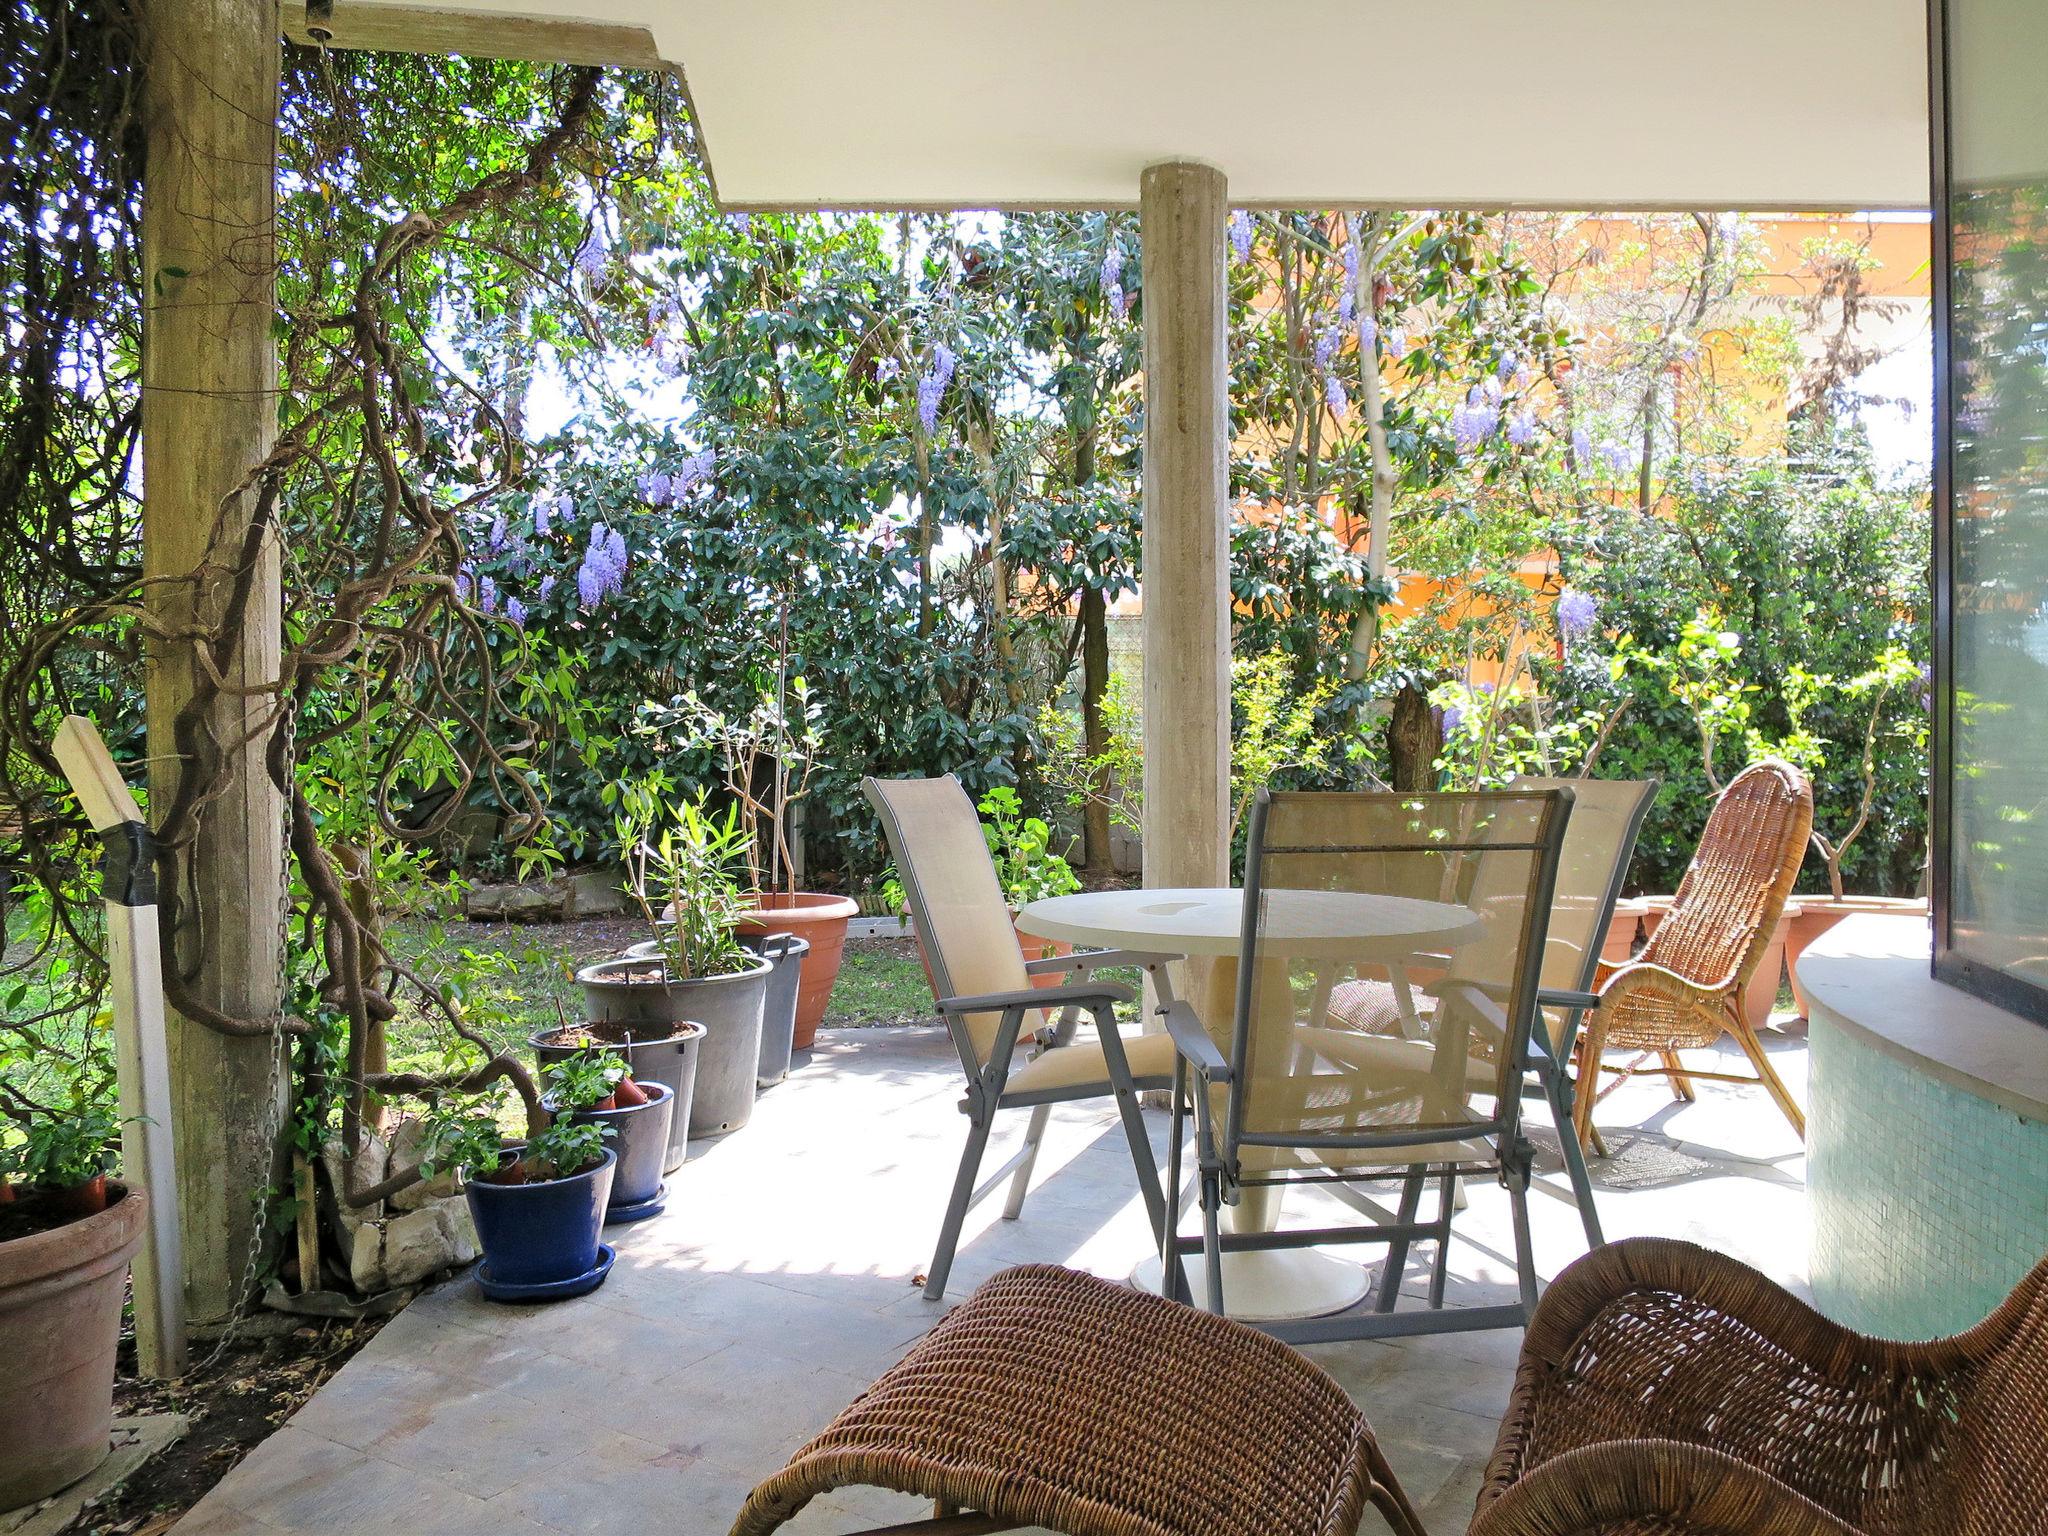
<point x="65" y="1241"/>
<point x="682" y="871"/>
<point x="768" y="759"/>
<point x="653" y="1051"/>
<point x="592" y="1087"/>
<point x="537" y="1205"/>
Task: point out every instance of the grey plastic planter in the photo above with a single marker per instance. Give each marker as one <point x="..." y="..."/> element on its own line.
<point x="778" y="1017"/>
<point x="661" y="1052"/>
<point x="635" y="990"/>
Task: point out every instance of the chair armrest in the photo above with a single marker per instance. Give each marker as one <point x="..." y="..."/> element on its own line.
<point x="1039" y="997"/>
<point x="1644" y="976"/>
<point x="1686" y="1490"/>
<point x="1193" y="1042"/>
<point x="1095" y="960"/>
<point x="1565" y="997"/>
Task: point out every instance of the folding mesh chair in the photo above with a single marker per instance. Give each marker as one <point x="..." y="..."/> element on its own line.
<point x="987" y="998"/>
<point x="1599" y="840"/>
<point x="1296" y="1100"/>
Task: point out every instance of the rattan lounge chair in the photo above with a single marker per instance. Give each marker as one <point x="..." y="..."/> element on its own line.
<point x="1665" y="1388"/>
<point x="1599" y="840"/>
<point x="991" y="1005"/>
<point x="1685" y="989"/>
<point x="1055" y="1399"/>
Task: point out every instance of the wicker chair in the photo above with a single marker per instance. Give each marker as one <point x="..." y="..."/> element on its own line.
<point x="1666" y="1389"/>
<point x="1685" y="989"/>
<point x="1663" y="1391"/>
<point x="1055" y="1399"/>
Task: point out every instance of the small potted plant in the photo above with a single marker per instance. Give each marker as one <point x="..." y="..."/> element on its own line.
<point x="65" y="1241"/>
<point x="594" y="1088"/>
<point x="682" y="871"/>
<point x="537" y="1205"/>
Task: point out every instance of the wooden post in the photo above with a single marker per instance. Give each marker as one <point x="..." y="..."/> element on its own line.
<point x="1182" y="211"/>
<point x="140" y="1061"/>
<point x="209" y="412"/>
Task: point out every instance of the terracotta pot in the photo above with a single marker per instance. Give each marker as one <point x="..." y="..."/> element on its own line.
<point x="60" y="1320"/>
<point x="1762" y="995"/>
<point x="821" y="920"/>
<point x="1817" y="914"/>
<point x="1036" y="948"/>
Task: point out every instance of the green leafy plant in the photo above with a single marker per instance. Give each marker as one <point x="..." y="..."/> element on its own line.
<point x="1026" y="866"/>
<point x="462" y="1133"/>
<point x="563" y="1150"/>
<point x="62" y="1150"/>
<point x="683" y="870"/>
<point x="583" y="1080"/>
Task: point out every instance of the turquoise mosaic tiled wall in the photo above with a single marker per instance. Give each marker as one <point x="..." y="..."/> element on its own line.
<point x="1929" y="1204"/>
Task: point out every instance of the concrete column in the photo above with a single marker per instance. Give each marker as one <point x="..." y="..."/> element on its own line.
<point x="209" y="412"/>
<point x="1182" y="213"/>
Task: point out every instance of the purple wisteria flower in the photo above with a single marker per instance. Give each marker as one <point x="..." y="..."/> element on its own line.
<point x="487" y="595"/>
<point x="1505" y="369"/>
<point x="499" y="533"/>
<point x="515" y="611"/>
<point x="565" y="507"/>
<point x="691" y="473"/>
<point x="1241" y="235"/>
<point x="1451" y="716"/>
<point x="1616" y="457"/>
<point x="1335" y="397"/>
<point x="547" y="587"/>
<point x="1397" y="344"/>
<point x="1347" y="306"/>
<point x="1368" y="333"/>
<point x="465" y="582"/>
<point x="603" y="571"/>
<point x="1326" y="345"/>
<point x="1577" y="613"/>
<point x="1582" y="447"/>
<point x="1474" y="422"/>
<point x="543" y="516"/>
<point x="741" y="223"/>
<point x="1351" y="269"/>
<point x="931" y="389"/>
<point x="886" y="369"/>
<point x="654" y="487"/>
<point x="1522" y="428"/>
<point x="1112" y="274"/>
<point x="591" y="255"/>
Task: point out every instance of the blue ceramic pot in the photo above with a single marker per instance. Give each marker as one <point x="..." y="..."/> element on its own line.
<point x="638" y="1137"/>
<point x="545" y="1232"/>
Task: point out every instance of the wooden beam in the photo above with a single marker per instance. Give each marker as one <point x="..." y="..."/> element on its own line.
<point x="446" y="30"/>
<point x="209" y="414"/>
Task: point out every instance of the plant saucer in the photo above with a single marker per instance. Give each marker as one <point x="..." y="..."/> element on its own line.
<point x="549" y="1290"/>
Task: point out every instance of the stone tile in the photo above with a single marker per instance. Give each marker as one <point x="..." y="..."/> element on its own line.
<point x="481" y="1440"/>
<point x="777" y="1286"/>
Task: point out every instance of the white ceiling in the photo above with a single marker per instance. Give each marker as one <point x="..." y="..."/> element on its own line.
<point x="1557" y="103"/>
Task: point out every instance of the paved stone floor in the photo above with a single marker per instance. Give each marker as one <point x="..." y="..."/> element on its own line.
<point x="779" y="1282"/>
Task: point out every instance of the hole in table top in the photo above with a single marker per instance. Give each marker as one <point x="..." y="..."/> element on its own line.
<point x="1168" y="908"/>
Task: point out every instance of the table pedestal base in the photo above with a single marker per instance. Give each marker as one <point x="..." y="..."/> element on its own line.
<point x="1275" y="1284"/>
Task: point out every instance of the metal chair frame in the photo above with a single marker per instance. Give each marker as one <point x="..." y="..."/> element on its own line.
<point x="987" y="1090"/>
<point x="1200" y="1065"/>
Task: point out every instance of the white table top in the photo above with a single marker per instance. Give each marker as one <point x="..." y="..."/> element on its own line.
<point x="1210" y="921"/>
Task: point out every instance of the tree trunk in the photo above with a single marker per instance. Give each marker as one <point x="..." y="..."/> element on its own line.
<point x="1094" y="729"/>
<point x="1414" y="742"/>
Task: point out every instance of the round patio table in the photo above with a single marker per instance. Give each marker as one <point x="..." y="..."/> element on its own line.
<point x="1208" y="922"/>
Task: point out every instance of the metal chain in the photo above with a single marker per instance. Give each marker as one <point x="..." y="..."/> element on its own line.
<point x="279" y="1063"/>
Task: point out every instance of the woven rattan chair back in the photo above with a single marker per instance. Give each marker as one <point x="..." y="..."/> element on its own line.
<point x="1737" y="884"/>
<point x="1319" y="867"/>
<point x="963" y="923"/>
